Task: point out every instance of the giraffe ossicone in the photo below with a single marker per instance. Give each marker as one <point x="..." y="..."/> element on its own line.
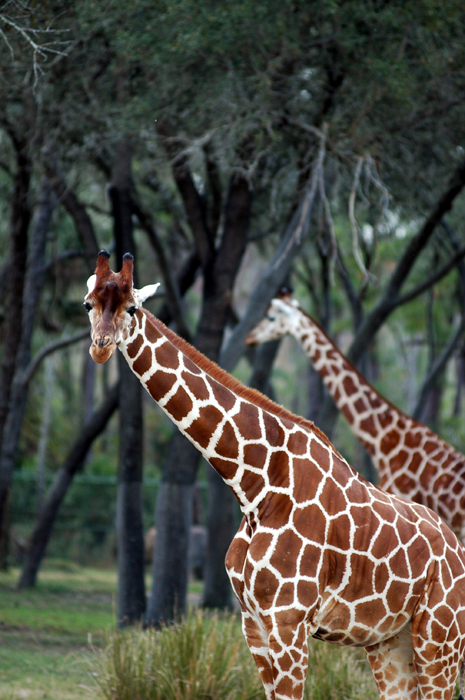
<point x="411" y="460"/>
<point x="320" y="551"/>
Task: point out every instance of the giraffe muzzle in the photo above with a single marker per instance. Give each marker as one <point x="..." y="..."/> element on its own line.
<point x="102" y="348"/>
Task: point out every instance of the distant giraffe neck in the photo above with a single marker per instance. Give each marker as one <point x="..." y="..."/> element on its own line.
<point x="368" y="413"/>
<point x="411" y="460"/>
<point x="238" y="436"/>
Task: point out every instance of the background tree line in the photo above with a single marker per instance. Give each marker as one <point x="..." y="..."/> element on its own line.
<point x="232" y="148"/>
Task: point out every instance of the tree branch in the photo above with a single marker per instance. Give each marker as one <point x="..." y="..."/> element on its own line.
<point x="79" y="214"/>
<point x="442" y="272"/>
<point x="389" y="300"/>
<point x="193" y="204"/>
<point x="33" y="366"/>
<point x="172" y="290"/>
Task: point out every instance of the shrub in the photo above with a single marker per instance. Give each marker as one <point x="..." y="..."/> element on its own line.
<point x="202" y="658"/>
<point x="206" y="658"/>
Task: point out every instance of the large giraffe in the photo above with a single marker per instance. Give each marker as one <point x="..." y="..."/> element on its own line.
<point x="320" y="551"/>
<point x="411" y="460"/>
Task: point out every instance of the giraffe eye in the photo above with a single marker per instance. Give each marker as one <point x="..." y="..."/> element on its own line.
<point x="132" y="310"/>
<point x="87" y="306"/>
<point x="271" y="318"/>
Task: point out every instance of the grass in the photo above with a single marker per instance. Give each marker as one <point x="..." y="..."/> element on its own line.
<point x="45" y="652"/>
<point x="206" y="658"/>
<point x="44" y="632"/>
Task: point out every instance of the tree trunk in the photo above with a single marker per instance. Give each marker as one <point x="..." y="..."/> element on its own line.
<point x="131" y="599"/>
<point x="31" y="296"/>
<point x="82" y="221"/>
<point x="73" y="463"/>
<point x="17" y="261"/>
<point x="170" y="566"/>
<point x="13" y="300"/>
<point x="220" y="531"/>
<point x="130" y="537"/>
<point x="41" y="459"/>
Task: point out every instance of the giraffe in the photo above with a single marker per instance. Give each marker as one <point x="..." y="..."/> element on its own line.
<point x="320" y="551"/>
<point x="411" y="460"/>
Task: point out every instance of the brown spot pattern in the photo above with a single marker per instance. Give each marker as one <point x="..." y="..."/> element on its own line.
<point x="165" y="356"/>
<point x="134" y="347"/>
<point x="143" y="362"/>
<point x="160" y="384"/>
<point x="197" y="386"/>
<point x="180" y="404"/>
<point x="278" y="469"/>
<point x="227" y="444"/>
<point x="247" y="422"/>
<point x="202" y="428"/>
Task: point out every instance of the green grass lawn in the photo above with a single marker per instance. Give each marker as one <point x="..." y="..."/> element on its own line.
<point x="45" y="652"/>
<point x="44" y="632"/>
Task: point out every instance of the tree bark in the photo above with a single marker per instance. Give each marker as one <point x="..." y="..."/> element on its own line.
<point x="275" y="275"/>
<point x="13" y="302"/>
<point x="31" y="296"/>
<point x="78" y="212"/>
<point x="17" y="261"/>
<point x="76" y="457"/>
<point x="169" y="590"/>
<point x="129" y="528"/>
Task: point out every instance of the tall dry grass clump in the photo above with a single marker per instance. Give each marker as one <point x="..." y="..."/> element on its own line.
<point x="205" y="657"/>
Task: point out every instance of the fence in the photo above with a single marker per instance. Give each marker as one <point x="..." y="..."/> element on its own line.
<point x="84" y="530"/>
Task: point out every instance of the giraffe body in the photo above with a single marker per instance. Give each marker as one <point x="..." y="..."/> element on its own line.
<point x="320" y="551"/>
<point x="411" y="460"/>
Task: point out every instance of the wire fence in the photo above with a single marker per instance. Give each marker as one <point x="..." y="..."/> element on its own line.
<point x="84" y="529"/>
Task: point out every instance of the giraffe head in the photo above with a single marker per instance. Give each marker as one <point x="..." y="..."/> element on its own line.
<point x="112" y="302"/>
<point x="280" y="319"/>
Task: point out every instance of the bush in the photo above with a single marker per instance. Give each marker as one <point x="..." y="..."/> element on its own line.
<point x="203" y="657"/>
<point x="206" y="658"/>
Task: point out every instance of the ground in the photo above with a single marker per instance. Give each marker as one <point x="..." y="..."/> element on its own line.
<point x="45" y="632"/>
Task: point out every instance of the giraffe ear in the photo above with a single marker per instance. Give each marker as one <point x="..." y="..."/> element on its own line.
<point x="91" y="283"/>
<point x="146" y="292"/>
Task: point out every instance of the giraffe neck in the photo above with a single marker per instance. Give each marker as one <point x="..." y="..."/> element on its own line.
<point x="236" y="429"/>
<point x="366" y="411"/>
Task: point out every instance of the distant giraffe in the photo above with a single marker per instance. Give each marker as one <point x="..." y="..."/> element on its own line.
<point x="411" y="460"/>
<point x="320" y="551"/>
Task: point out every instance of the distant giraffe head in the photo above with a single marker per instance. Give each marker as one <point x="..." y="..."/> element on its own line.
<point x="111" y="302"/>
<point x="281" y="318"/>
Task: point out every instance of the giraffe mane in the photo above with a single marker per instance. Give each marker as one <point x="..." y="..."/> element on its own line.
<point x="253" y="395"/>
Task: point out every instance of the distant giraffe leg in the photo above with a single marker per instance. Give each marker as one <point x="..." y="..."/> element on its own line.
<point x="438" y="658"/>
<point x="393" y="666"/>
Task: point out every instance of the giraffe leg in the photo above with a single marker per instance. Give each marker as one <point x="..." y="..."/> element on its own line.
<point x="281" y="659"/>
<point x="257" y="641"/>
<point x="438" y="655"/>
<point x="393" y="665"/>
<point x="289" y="660"/>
